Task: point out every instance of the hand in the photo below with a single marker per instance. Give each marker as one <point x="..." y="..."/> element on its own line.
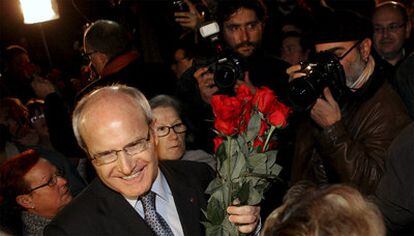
<point x="326" y="111"/>
<point x="191" y="19"/>
<point x="42" y="87"/>
<point x="246" y="218"/>
<point x="205" y="80"/>
<point x="293" y="72"/>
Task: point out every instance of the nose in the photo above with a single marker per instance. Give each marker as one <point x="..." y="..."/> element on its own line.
<point x="125" y="163"/>
<point x="244" y="35"/>
<point x="172" y="135"/>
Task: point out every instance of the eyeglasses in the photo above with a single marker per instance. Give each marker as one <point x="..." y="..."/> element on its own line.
<point x="389" y="28"/>
<point x="35" y="118"/>
<point x="51" y="182"/>
<point x="349" y="50"/>
<point x="130" y="149"/>
<point x="165" y="130"/>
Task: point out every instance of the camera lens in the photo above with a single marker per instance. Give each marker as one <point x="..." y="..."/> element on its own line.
<point x="225" y="76"/>
<point x="302" y="94"/>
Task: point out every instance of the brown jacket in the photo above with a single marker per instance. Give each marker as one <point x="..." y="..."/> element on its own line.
<point x="352" y="150"/>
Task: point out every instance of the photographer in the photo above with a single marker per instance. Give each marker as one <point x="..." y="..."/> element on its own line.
<point x="345" y="140"/>
<point x="241" y="26"/>
<point x="242" y="23"/>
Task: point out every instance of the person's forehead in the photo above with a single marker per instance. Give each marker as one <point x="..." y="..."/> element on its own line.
<point x="40" y="170"/>
<point x="387" y="15"/>
<point x="333" y="45"/>
<point x="291" y="40"/>
<point x="242" y="16"/>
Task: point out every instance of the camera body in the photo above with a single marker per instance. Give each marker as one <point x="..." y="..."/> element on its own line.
<point x="180" y="6"/>
<point x="226" y="66"/>
<point x="325" y="70"/>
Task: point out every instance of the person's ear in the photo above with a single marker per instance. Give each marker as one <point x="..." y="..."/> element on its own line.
<point x="25" y="201"/>
<point x="365" y="49"/>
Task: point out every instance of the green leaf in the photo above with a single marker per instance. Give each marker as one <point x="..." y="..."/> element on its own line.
<point x="254" y="197"/>
<point x="229" y="228"/>
<point x="241" y="141"/>
<point x="215" y="211"/>
<point x="239" y="166"/>
<point x="214" y="185"/>
<point x="253" y="127"/>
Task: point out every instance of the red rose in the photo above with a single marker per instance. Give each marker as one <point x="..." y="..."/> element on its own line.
<point x="229" y="127"/>
<point x="217" y="142"/>
<point x="264" y="99"/>
<point x="278" y="117"/>
<point x="225" y="107"/>
<point x="244" y="94"/>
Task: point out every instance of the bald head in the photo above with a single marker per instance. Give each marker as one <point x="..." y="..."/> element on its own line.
<point x="391" y="29"/>
<point x="108" y="107"/>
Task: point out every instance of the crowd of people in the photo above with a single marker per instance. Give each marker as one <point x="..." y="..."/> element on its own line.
<point x="126" y="148"/>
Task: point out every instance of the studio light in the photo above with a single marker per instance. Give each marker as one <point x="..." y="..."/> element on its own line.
<point x="37" y="11"/>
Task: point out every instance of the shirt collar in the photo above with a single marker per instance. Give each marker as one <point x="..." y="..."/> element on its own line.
<point x="159" y="187"/>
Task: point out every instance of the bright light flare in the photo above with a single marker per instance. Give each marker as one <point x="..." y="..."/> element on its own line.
<point x="37" y="11"/>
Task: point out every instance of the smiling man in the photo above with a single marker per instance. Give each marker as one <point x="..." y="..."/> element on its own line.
<point x="135" y="194"/>
<point x="391" y="29"/>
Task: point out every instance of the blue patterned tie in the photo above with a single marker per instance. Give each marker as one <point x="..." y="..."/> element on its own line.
<point x="153" y="219"/>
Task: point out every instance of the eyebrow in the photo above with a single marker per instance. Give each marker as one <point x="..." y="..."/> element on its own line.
<point x="246" y="23"/>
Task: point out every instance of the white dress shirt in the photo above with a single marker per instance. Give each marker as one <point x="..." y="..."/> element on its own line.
<point x="164" y="204"/>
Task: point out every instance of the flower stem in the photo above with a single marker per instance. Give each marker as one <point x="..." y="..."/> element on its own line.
<point x="229" y="156"/>
<point x="269" y="135"/>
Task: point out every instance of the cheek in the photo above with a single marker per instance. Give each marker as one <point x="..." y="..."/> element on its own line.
<point x="162" y="146"/>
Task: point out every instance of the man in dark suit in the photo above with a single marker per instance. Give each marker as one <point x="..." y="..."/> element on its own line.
<point x="134" y="194"/>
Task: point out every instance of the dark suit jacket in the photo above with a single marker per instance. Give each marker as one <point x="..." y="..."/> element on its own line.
<point x="101" y="211"/>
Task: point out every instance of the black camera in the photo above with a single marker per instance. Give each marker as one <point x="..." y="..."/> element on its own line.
<point x="180" y="6"/>
<point x="325" y="70"/>
<point x="226" y="66"/>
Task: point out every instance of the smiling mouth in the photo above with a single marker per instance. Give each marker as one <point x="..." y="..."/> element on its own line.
<point x="134" y="175"/>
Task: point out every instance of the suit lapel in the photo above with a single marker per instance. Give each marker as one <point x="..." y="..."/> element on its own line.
<point x="186" y="201"/>
<point x="124" y="219"/>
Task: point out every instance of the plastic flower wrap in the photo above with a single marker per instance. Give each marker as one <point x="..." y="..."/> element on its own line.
<point x="245" y="148"/>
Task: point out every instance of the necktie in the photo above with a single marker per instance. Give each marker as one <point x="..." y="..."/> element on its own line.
<point x="152" y="218"/>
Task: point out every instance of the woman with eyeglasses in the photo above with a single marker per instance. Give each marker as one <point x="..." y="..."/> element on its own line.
<point x="171" y="132"/>
<point x="32" y="192"/>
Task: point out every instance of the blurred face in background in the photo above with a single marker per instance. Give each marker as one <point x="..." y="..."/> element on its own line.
<point x="170" y="127"/>
<point x="49" y="190"/>
<point x="243" y="32"/>
<point x="390" y="32"/>
<point x="181" y="62"/>
<point x="292" y="52"/>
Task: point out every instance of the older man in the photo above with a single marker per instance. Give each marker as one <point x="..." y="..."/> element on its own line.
<point x="135" y="194"/>
<point x="347" y="141"/>
<point x="391" y="29"/>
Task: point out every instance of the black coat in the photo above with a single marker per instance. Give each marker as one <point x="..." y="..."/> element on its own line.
<point x="101" y="211"/>
<point x="150" y="78"/>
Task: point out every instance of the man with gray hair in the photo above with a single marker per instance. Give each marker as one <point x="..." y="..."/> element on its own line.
<point x="135" y="194"/>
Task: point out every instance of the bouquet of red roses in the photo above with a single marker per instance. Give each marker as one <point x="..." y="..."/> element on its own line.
<point x="245" y="150"/>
